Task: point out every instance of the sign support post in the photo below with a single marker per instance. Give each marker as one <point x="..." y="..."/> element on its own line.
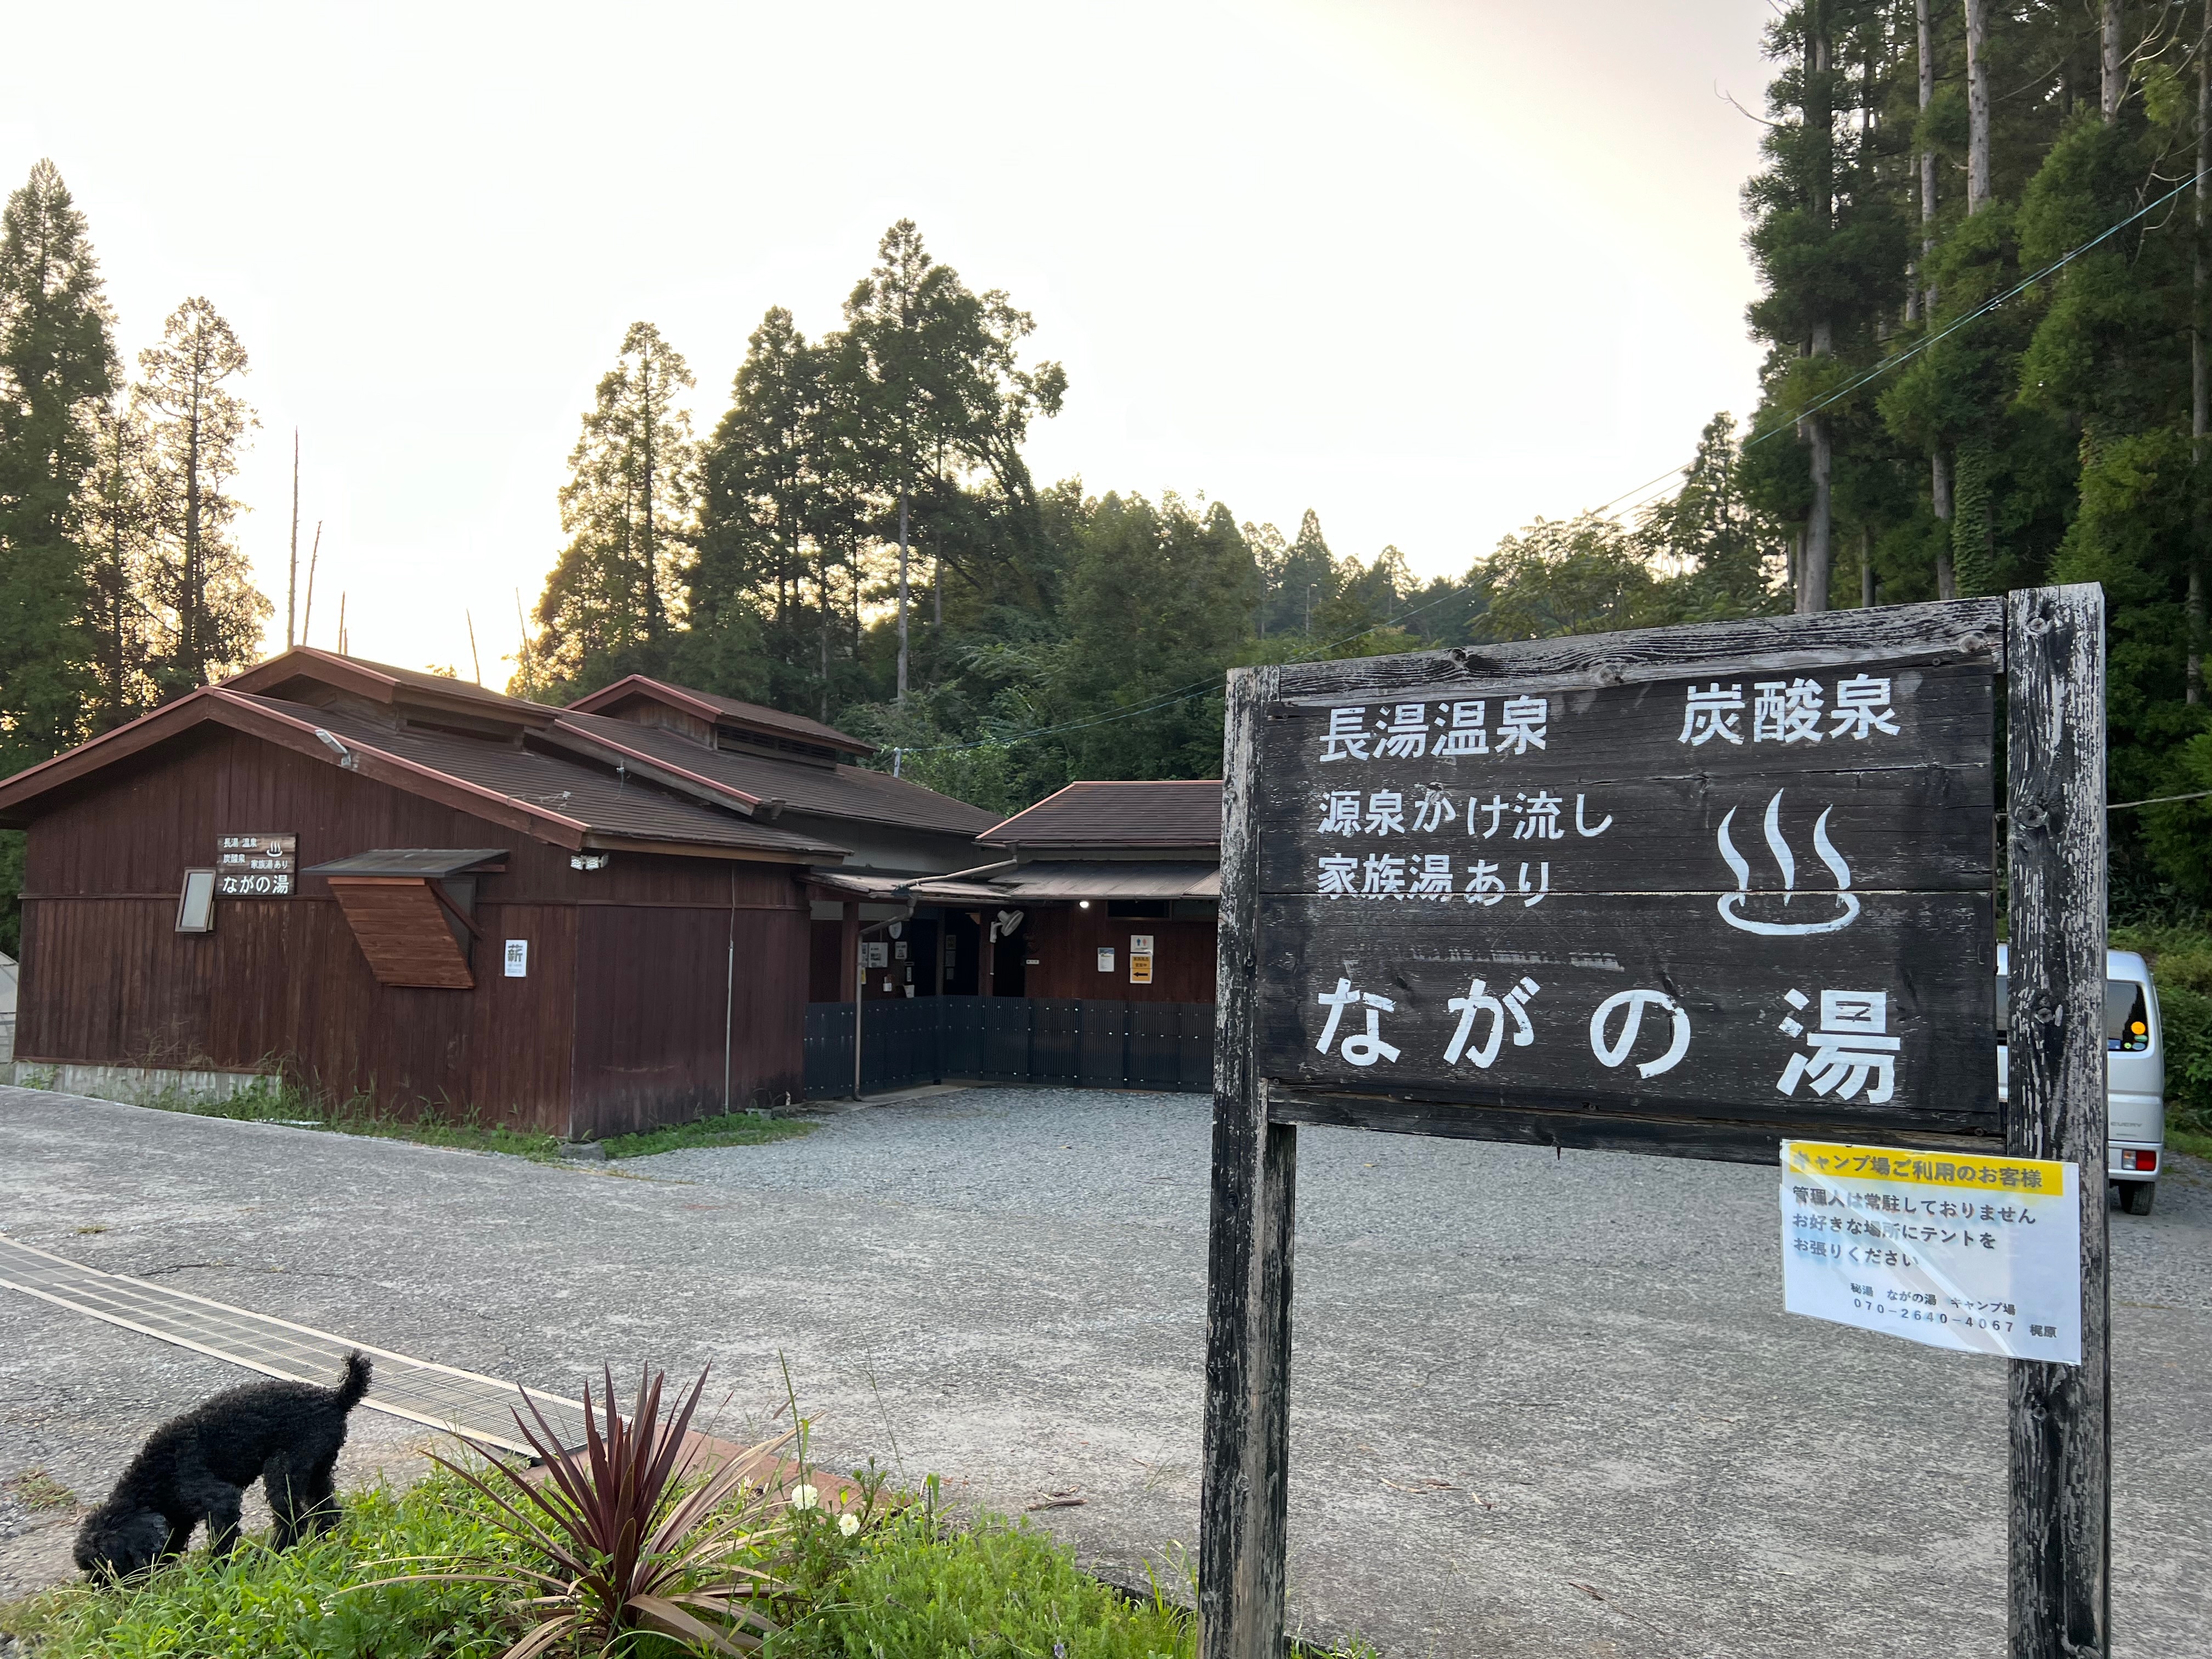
<point x="2060" y="1578"/>
<point x="1246" y="1488"/>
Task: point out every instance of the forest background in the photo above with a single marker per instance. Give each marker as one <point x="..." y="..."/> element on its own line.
<point x="1981" y="232"/>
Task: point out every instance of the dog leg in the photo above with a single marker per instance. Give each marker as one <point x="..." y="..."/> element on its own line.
<point x="222" y="1519"/>
<point x="322" y="1511"/>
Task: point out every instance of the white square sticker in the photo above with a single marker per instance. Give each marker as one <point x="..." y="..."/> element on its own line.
<point x="518" y="959"/>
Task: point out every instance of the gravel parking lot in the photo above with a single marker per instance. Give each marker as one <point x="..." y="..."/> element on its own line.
<point x="1541" y="1404"/>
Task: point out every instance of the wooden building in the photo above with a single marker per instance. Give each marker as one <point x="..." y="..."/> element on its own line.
<point x="398" y="886"/>
<point x="1114" y="886"/>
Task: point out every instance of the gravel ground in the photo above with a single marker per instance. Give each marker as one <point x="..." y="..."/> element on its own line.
<point x="1541" y="1404"/>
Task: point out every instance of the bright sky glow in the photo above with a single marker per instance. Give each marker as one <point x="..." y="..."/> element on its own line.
<point x="1432" y="270"/>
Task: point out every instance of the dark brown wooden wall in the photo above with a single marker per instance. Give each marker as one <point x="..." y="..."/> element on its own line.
<point x="282" y="983"/>
<point x="1065" y="944"/>
<point x="649" y="1032"/>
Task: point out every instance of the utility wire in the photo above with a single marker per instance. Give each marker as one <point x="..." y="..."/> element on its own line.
<point x="1786" y="423"/>
<point x="1196" y="687"/>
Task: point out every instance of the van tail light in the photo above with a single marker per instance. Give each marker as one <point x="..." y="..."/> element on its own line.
<point x="2133" y="1158"/>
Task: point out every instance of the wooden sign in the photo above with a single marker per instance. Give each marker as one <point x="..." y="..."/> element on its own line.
<point x="1759" y="893"/>
<point x="1688" y="890"/>
<point x="257" y="865"/>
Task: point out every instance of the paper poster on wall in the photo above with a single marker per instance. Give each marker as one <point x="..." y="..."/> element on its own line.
<point x="1105" y="958"/>
<point x="1951" y="1249"/>
<point x="518" y="959"/>
<point x="875" y="953"/>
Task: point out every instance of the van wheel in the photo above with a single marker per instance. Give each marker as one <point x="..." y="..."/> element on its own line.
<point x="2135" y="1196"/>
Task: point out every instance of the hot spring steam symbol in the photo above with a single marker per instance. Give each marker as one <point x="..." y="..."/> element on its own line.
<point x="1731" y="904"/>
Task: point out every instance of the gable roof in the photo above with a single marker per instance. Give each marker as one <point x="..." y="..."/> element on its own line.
<point x="550" y="798"/>
<point x="383" y="682"/>
<point x="721" y="711"/>
<point x="1148" y="813"/>
<point x="759" y="784"/>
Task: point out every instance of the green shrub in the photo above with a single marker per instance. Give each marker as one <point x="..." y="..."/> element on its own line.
<point x="1000" y="1589"/>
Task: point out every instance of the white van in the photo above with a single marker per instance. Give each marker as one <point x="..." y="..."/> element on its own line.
<point x="2135" y="1079"/>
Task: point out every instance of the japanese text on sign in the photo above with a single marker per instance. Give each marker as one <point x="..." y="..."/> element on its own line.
<point x="256" y="866"/>
<point x="1982" y="1255"/>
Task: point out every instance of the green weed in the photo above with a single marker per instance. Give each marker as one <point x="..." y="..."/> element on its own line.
<point x="736" y="1129"/>
<point x="275" y="1100"/>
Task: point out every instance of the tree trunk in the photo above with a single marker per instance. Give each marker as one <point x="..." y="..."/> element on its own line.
<point x="292" y="579"/>
<point x="195" y="584"/>
<point x="1977" y="105"/>
<point x="1866" y="567"/>
<point x="1939" y="489"/>
<point x="823" y="589"/>
<point x="1813" y="568"/>
<point x="1820" y="117"/>
<point x="651" y="572"/>
<point x="2200" y="389"/>
<point x="2114" y="87"/>
<point x="902" y="595"/>
<point x="1914" y="300"/>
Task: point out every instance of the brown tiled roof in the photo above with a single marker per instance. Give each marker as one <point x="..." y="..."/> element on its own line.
<point x="1137" y="814"/>
<point x="382" y="682"/>
<point x="601" y="803"/>
<point x="839" y="792"/>
<point x="706" y="705"/>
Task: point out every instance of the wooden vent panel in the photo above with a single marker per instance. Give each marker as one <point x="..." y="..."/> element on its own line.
<point x="403" y="932"/>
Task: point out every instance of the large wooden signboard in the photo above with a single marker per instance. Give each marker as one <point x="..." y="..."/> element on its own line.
<point x="1687" y="892"/>
<point x="1759" y="893"/>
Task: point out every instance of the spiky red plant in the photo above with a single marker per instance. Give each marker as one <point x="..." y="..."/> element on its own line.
<point x="622" y="1548"/>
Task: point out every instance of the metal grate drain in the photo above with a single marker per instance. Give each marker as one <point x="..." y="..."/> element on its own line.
<point x="463" y="1402"/>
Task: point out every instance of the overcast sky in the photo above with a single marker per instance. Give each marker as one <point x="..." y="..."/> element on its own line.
<point x="1429" y="268"/>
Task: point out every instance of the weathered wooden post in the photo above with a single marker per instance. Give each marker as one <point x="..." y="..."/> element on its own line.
<point x="1247" y="1313"/>
<point x="2061" y="1589"/>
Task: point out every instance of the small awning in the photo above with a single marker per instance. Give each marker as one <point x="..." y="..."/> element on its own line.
<point x="435" y="862"/>
<point x="1109" y="878"/>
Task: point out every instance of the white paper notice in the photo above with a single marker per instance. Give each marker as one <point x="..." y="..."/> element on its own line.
<point x="518" y="959"/>
<point x="1978" y="1253"/>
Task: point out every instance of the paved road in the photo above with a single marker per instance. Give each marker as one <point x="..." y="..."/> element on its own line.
<point x="1542" y="1405"/>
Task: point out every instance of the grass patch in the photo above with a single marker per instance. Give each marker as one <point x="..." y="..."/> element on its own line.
<point x="907" y="1586"/>
<point x="35" y="1489"/>
<point x="273" y="1100"/>
<point x="736" y="1129"/>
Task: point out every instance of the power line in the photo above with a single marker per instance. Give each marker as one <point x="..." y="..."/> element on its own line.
<point x="1196" y="687"/>
<point x="1787" y="423"/>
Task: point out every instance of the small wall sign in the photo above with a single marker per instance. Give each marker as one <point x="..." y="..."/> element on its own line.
<point x="1105" y="958"/>
<point x="1141" y="958"/>
<point x="518" y="959"/>
<point x="261" y="865"/>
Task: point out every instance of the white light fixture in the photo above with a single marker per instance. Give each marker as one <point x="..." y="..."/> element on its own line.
<point x="1082" y="904"/>
<point x="587" y="861"/>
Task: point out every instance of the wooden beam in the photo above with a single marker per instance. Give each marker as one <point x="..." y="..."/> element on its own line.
<point x="2061" y="1581"/>
<point x="1245" y="1465"/>
<point x="1583" y="1130"/>
<point x="1960" y="630"/>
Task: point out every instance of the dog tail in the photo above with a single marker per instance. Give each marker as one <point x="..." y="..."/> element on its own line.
<point x="356" y="1385"/>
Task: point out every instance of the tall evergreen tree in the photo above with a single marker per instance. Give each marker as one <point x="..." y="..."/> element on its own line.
<point x="121" y="520"/>
<point x="1159" y="602"/>
<point x="57" y="370"/>
<point x="627" y="511"/>
<point x="197" y="426"/>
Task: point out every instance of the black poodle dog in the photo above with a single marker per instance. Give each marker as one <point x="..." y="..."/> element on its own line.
<point x="197" y="1468"/>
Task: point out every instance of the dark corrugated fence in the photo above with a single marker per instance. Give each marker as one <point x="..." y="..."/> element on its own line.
<point x="1065" y="1041"/>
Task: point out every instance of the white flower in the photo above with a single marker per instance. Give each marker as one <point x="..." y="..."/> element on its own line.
<point x="848" y="1523"/>
<point x="802" y="1497"/>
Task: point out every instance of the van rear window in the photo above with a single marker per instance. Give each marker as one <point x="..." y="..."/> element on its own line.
<point x="2127" y="1017"/>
